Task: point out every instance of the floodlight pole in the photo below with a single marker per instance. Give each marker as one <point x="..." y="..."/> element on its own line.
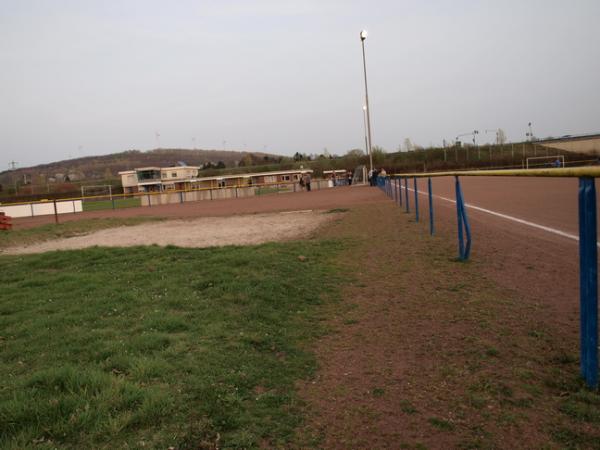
<point x="363" y="36"/>
<point x="365" y="121"/>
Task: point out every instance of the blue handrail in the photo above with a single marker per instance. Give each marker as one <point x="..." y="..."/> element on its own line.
<point x="588" y="281"/>
<point x="464" y="248"/>
<point x="416" y="199"/>
<point x="429" y="190"/>
<point x="588" y="259"/>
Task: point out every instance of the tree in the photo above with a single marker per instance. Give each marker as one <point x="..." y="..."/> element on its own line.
<point x="246" y="160"/>
<point x="378" y="154"/>
<point x="501" y="137"/>
<point x="298" y="156"/>
<point x="220" y="165"/>
<point x="355" y="153"/>
<point x="408" y="146"/>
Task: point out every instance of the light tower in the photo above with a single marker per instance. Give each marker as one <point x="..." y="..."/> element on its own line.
<point x="363" y="36"/>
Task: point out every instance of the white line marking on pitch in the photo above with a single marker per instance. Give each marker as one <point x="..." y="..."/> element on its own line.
<point x="505" y="216"/>
<point x="297" y="211"/>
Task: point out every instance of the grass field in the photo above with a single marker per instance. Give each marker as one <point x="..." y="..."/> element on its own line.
<point x="107" y="348"/>
<point x="91" y="205"/>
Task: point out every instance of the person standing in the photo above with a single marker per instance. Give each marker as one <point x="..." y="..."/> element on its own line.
<point x="307" y="181"/>
<point x="374" y="177"/>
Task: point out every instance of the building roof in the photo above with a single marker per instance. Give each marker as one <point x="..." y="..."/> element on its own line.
<point x="179" y="167"/>
<point x="137" y="169"/>
<point x="256" y="174"/>
<point x="216" y="177"/>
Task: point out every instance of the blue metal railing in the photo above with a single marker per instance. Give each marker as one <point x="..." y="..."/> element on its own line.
<point x="588" y="248"/>
<point x="588" y="280"/>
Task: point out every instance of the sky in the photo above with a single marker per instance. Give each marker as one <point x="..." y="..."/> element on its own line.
<point x="81" y="77"/>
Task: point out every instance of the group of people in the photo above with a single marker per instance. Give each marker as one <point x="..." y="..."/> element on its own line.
<point x="374" y="173"/>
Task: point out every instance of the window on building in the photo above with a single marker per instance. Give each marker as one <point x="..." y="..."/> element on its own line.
<point x="221" y="183"/>
<point x="285" y="177"/>
<point x="174" y="174"/>
<point x="271" y="179"/>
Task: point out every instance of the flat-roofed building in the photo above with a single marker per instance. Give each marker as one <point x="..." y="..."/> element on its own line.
<point x="158" y="179"/>
<point x="185" y="178"/>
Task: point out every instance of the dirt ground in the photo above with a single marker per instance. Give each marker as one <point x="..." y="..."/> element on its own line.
<point x="247" y="229"/>
<point x="428" y="352"/>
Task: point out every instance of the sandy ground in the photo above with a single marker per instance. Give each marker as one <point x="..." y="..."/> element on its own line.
<point x="203" y="232"/>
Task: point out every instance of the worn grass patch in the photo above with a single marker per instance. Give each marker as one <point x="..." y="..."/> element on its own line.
<point x="157" y="347"/>
<point x="64" y="230"/>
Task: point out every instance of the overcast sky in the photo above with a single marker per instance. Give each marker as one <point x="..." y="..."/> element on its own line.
<point x="80" y="78"/>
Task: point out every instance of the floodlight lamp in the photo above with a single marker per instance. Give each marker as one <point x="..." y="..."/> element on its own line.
<point x="364" y="107"/>
<point x="363" y="35"/>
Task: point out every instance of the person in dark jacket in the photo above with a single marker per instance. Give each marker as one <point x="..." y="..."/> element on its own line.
<point x="374" y="177"/>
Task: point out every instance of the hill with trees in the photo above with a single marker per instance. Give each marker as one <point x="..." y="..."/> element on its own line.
<point x="67" y="175"/>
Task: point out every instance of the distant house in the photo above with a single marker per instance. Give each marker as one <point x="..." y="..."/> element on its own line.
<point x="184" y="178"/>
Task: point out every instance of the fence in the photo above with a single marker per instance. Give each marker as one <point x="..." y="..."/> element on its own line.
<point x="588" y="241"/>
<point x="41" y="208"/>
<point x="149" y="199"/>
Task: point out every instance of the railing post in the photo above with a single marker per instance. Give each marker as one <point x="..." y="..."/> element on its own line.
<point x="464" y="249"/>
<point x="430" y="206"/>
<point x="406" y="194"/>
<point x="416" y="199"/>
<point x="588" y="281"/>
<point x="55" y="212"/>
<point x="149" y="201"/>
<point x="399" y="185"/>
